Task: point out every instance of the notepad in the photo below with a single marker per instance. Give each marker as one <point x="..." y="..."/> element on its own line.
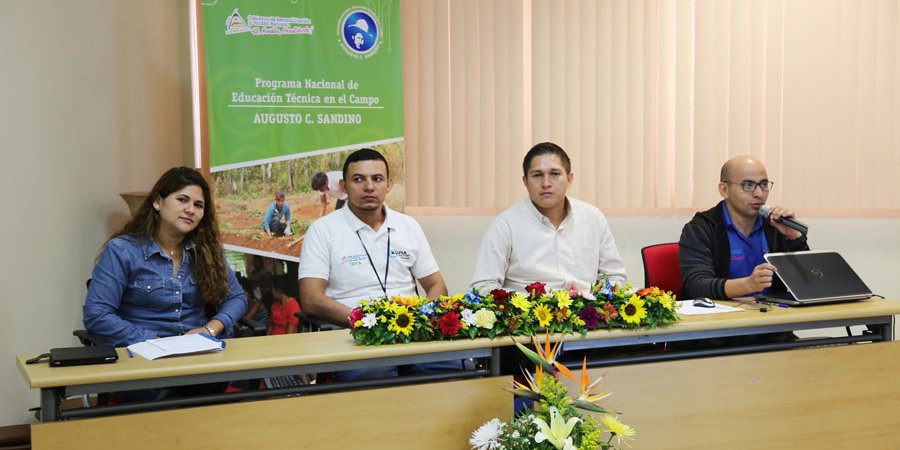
<point x="177" y="345"/>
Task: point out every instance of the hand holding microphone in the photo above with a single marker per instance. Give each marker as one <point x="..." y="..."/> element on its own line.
<point x="784" y="218"/>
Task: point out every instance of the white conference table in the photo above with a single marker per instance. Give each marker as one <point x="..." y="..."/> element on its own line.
<point x="266" y="356"/>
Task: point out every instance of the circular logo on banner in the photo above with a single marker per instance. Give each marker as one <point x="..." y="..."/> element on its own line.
<point x="359" y="31"/>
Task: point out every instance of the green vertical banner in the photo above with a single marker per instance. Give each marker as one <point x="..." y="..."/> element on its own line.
<point x="293" y="86"/>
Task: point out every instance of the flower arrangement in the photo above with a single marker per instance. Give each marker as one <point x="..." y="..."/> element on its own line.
<point x="471" y="315"/>
<point x="649" y="307"/>
<point x="555" y="423"/>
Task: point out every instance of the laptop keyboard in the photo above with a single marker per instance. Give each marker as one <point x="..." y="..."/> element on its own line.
<point x="284" y="381"/>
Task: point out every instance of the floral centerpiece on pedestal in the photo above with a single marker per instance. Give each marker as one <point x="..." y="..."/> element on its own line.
<point x="555" y="423"/>
<point x="471" y="315"/>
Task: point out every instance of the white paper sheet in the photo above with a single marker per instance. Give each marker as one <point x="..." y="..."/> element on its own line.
<point x="687" y="308"/>
<point x="176" y="345"/>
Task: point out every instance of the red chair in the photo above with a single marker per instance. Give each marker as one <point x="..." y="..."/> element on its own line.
<point x="661" y="267"/>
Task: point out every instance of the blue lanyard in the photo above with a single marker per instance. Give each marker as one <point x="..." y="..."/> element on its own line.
<point x="387" y="264"/>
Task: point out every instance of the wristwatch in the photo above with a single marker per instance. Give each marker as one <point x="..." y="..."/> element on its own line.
<point x="211" y="331"/>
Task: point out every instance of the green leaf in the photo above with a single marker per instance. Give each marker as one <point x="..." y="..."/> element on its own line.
<point x="533" y="356"/>
<point x="525" y="394"/>
<point x="588" y="406"/>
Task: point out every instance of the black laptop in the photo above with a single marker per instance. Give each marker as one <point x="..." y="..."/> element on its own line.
<point x="814" y="277"/>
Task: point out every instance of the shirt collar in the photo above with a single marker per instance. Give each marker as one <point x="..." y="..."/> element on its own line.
<point x="730" y="223"/>
<point x="390" y="219"/>
<point x="150" y="246"/>
<point x="544" y="220"/>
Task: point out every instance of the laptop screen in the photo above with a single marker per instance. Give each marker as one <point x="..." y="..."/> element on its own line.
<point x="818" y="276"/>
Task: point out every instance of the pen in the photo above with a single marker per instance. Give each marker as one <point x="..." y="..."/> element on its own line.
<point x="130" y="355"/>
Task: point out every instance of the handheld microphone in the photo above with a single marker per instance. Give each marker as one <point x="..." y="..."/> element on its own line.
<point x="787" y="221"/>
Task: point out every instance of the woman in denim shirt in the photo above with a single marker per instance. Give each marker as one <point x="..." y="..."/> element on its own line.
<point x="160" y="274"/>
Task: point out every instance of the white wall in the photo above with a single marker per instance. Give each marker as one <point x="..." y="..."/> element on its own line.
<point x="870" y="246"/>
<point x="95" y="101"/>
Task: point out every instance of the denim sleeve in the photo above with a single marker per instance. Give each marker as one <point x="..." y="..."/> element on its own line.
<point x="234" y="306"/>
<point x="104" y="298"/>
<point x="268" y="217"/>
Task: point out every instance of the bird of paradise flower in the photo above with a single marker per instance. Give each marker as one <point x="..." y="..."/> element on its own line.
<point x="544" y="359"/>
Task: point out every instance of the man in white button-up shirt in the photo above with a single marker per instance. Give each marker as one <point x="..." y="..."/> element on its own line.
<point x="547" y="237"/>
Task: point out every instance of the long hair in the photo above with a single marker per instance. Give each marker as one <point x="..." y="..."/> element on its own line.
<point x="208" y="259"/>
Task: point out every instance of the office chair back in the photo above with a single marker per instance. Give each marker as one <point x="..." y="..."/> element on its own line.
<point x="661" y="267"/>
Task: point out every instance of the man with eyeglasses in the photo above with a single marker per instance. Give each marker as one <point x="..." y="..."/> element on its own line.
<point x="721" y="249"/>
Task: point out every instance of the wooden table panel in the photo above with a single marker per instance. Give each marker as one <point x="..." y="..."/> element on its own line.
<point x="424" y="416"/>
<point x="831" y="397"/>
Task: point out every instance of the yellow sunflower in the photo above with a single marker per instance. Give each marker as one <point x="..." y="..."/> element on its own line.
<point x="543" y="315"/>
<point x="411" y="301"/>
<point x="633" y="311"/>
<point x="621" y="431"/>
<point x="402" y="322"/>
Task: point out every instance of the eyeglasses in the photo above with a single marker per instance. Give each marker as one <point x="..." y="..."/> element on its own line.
<point x="750" y="186"/>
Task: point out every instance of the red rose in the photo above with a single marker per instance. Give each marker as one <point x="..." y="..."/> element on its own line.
<point x="499" y="295"/>
<point x="355" y="315"/>
<point x="450" y="324"/>
<point x="536" y="289"/>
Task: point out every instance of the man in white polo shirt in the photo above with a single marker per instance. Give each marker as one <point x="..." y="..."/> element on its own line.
<point x="547" y="237"/>
<point x="364" y="250"/>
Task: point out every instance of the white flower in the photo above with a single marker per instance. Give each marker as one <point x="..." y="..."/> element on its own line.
<point x="369" y="320"/>
<point x="557" y="433"/>
<point x="487" y="436"/>
<point x="485" y="318"/>
<point x="468" y="316"/>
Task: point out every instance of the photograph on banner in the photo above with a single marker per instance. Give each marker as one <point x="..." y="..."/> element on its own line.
<point x="265" y="209"/>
